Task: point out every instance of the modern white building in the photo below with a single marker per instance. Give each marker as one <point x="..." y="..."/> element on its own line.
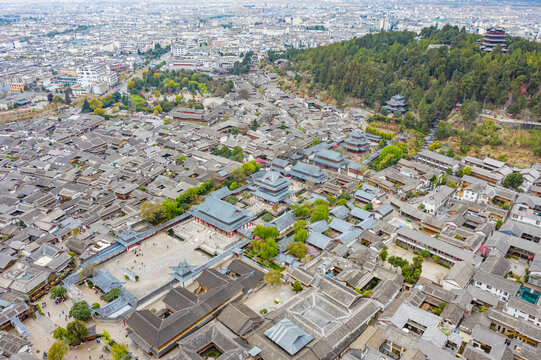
<point x="527" y="209"/>
<point x="111" y="78"/>
<point x="179" y="49"/>
<point x="496" y="285"/>
<point x="88" y="75"/>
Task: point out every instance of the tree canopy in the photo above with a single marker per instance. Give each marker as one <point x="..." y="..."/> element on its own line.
<point x="119" y="352"/>
<point x="273" y="277"/>
<point x="513" y="180"/>
<point x="57" y="291"/>
<point x="433" y="80"/>
<point x="80" y="311"/>
<point x="76" y="331"/>
<point x="390" y="155"/>
<point x="57" y="351"/>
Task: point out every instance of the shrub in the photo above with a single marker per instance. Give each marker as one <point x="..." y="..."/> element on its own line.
<point x="112" y="295"/>
<point x="437" y="311"/>
<point x="267" y="217"/>
<point x="231" y="199"/>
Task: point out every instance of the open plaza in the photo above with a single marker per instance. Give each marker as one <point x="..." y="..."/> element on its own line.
<point x="151" y="261"/>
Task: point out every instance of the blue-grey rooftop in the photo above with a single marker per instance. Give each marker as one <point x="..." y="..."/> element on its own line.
<point x="221" y="214"/>
<point x="308" y="172"/>
<point x="289" y="336"/>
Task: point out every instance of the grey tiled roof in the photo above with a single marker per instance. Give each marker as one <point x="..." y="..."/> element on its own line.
<point x="284" y="221"/>
<point x="221" y="214"/>
<point x="319" y="240"/>
<point x="461" y="273"/>
<point x="289" y="336"/>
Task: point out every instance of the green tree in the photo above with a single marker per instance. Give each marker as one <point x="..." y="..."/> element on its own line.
<point x="273" y="277"/>
<point x="513" y="180"/>
<point x="299" y="225"/>
<point x="469" y="110"/>
<point x="341" y="202"/>
<point x="443" y="130"/>
<point x="389" y="155"/>
<point x="266" y="232"/>
<point x="301" y="235"/>
<point x="58" y="99"/>
<point x="76" y="331"/>
<point x="297" y="249"/>
<point x="57" y="291"/>
<point x="321" y="212"/>
<point x="67" y="98"/>
<point x="95" y="104"/>
<point x="225" y="151"/>
<point x="397" y="261"/>
<point x="80" y="311"/>
<point x="268" y="249"/>
<point x="86" y="107"/>
<point x="153" y="213"/>
<point x="120" y="352"/>
<point x="57" y="351"/>
<point x="372" y="68"/>
<point x="383" y="253"/>
<point x="301" y="210"/>
<point x="254" y="125"/>
<point x="297" y="287"/>
<point x="60" y="333"/>
<point x="467" y="170"/>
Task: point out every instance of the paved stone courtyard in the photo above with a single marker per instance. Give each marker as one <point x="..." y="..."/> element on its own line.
<point x="156" y="255"/>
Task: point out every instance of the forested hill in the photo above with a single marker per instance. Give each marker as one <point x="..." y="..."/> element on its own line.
<point x="433" y="79"/>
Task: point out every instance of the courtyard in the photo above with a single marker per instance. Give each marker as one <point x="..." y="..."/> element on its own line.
<point x="264" y="298"/>
<point x="431" y="270"/>
<point x="151" y="261"/>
